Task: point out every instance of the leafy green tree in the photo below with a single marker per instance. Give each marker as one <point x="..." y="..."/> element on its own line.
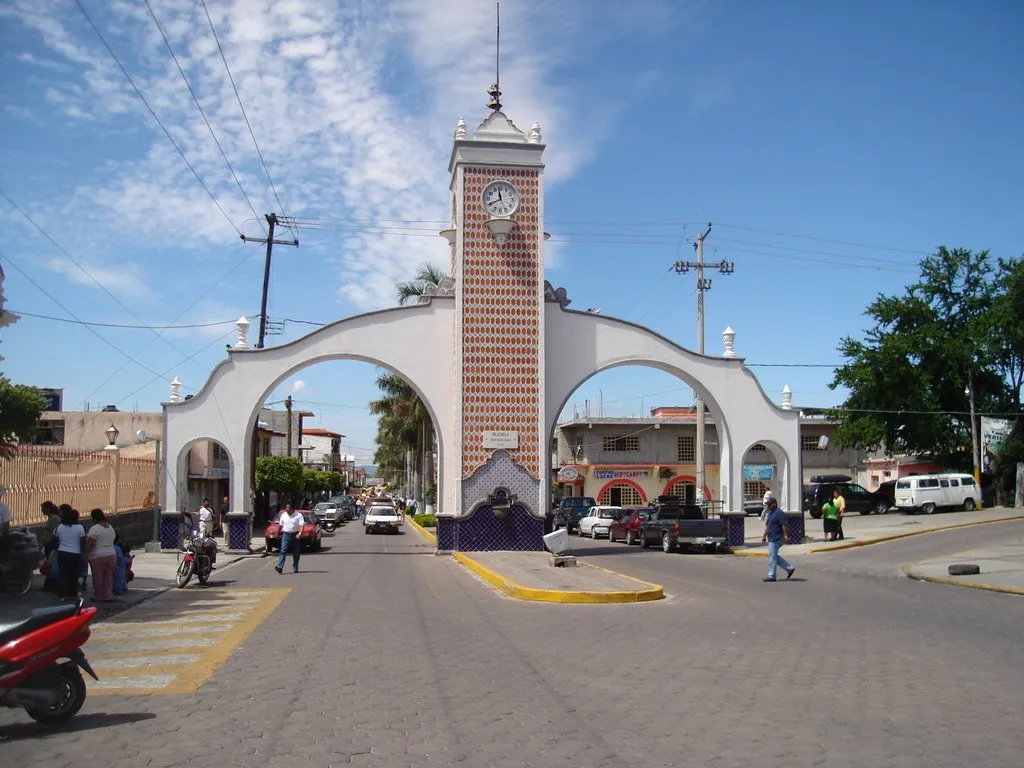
<point x="335" y="481"/>
<point x="281" y="474"/>
<point x="908" y="377"/>
<point x="427" y="274"/>
<point x="20" y="408"/>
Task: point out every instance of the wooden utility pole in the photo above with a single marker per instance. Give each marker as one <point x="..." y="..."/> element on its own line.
<point x="272" y="221"/>
<point x="288" y="408"/>
<point x="725" y="268"/>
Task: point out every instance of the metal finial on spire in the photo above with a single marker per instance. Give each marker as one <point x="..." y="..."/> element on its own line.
<point x="495" y="91"/>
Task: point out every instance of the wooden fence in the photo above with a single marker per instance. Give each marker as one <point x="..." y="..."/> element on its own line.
<point x="82" y="479"/>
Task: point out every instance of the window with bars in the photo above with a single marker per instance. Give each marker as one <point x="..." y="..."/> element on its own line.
<point x="621" y="444"/>
<point x="810" y="443"/>
<point x="686" y="449"/>
<point x="219" y="454"/>
<point x="621" y="495"/>
<point x="754" y="489"/>
<point x="758" y="448"/>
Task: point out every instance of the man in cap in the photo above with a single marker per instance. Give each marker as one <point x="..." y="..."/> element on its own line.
<point x="775" y="535"/>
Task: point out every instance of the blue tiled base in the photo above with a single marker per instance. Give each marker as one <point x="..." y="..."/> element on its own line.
<point x="238" y="532"/>
<point x="795" y="528"/>
<point x="446" y="534"/>
<point x="735" y="531"/>
<point x="170" y="532"/>
<point x="519" y="531"/>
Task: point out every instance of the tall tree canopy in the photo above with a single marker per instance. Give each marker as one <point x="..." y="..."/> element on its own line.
<point x="959" y="325"/>
<point x="20" y="408"/>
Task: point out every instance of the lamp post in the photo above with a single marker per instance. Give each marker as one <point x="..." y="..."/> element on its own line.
<point x="112" y="432"/>
<point x="975" y="446"/>
<point x="153" y="545"/>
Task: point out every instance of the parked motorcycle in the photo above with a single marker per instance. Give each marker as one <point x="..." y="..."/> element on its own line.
<point x="31" y="673"/>
<point x="197" y="557"/>
<point x="21" y="558"/>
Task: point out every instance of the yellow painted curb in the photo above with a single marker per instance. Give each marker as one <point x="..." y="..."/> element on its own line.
<point x="751" y="552"/>
<point x="510" y="588"/>
<point x="422" y="531"/>
<point x="908" y="534"/>
<point x="908" y="569"/>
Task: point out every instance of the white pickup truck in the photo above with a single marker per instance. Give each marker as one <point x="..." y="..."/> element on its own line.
<point x="383" y="518"/>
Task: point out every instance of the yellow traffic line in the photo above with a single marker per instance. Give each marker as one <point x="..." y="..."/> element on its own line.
<point x="178" y="678"/>
<point x="908" y="569"/>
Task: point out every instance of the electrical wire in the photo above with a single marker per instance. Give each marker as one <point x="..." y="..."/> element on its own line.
<point x="245" y="116"/>
<point x="167" y="133"/>
<point x="199" y="106"/>
<point x="127" y="326"/>
<point x="824" y="240"/>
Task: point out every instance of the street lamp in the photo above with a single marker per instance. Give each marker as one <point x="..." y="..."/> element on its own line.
<point x="115" y="465"/>
<point x="112" y="432"/>
<point x="142" y="437"/>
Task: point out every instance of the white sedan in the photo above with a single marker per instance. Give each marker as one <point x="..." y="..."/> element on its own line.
<point x="598" y="520"/>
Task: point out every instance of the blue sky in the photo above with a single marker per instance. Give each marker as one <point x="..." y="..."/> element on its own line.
<point x="804" y="130"/>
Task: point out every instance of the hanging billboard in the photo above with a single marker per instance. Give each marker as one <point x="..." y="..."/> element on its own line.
<point x="994" y="433"/>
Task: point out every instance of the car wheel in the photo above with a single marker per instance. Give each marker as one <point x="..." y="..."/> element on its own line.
<point x="644" y="543"/>
<point x="667" y="545"/>
<point x="710" y="548"/>
<point x="611" y="536"/>
<point x="968" y="505"/>
<point x="630" y="538"/>
<point x="928" y="508"/>
<point x="881" y="507"/>
<point x="816" y="514"/>
<point x="593" y="532"/>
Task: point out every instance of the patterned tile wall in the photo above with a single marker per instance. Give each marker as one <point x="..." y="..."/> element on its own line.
<point x="501" y="470"/>
<point x="501" y="324"/>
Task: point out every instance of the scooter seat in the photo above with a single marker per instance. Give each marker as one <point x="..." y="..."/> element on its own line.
<point x="39" y="618"/>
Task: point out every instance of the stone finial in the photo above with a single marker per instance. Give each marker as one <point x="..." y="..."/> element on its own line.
<point x="787" y="398"/>
<point x="729" y="339"/>
<point x="534" y="137"/>
<point x="176" y="390"/>
<point x="460" y="129"/>
<point x="242" y="324"/>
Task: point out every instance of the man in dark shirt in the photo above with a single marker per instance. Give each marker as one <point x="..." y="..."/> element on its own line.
<point x="775" y="535"/>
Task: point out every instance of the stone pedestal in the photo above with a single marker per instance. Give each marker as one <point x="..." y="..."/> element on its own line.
<point x="795" y="528"/>
<point x="170" y="530"/>
<point x="735" y="528"/>
<point x="238" y="531"/>
<point x="445" y="533"/>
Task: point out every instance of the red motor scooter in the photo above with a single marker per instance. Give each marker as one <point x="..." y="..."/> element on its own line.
<point x="32" y="674"/>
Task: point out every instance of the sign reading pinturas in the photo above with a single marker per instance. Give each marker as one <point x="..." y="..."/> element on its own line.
<point x="501" y="438"/>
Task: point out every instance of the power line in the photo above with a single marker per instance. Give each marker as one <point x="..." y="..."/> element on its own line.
<point x="154" y="115"/>
<point x="248" y="125"/>
<point x="827" y="240"/>
<point x="816" y="253"/>
<point x="199" y="106"/>
<point x="128" y="326"/>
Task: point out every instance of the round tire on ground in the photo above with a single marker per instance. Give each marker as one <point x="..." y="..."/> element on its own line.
<point x="644" y="543"/>
<point x="630" y="538"/>
<point x="969" y="505"/>
<point x="593" y="533"/>
<point x="928" y="509"/>
<point x="72" y="699"/>
<point x="611" y="536"/>
<point x="667" y="545"/>
<point x="964" y="569"/>
<point x="816" y="515"/>
<point x="184" y="574"/>
<point x="881" y="507"/>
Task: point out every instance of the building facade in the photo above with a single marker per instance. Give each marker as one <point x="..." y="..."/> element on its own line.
<point x="321" y="449"/>
<point x="630" y="461"/>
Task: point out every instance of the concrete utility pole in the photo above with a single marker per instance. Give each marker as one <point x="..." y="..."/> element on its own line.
<point x="272" y="221"/>
<point x="703" y="284"/>
<point x="288" y="408"/>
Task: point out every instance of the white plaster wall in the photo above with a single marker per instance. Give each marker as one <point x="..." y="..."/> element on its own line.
<point x="581" y="344"/>
<point x="416" y="342"/>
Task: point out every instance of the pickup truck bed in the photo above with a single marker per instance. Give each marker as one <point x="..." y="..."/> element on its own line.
<point x="674" y="527"/>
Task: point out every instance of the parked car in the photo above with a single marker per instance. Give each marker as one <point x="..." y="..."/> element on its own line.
<point x="328" y="514"/>
<point x="858" y="498"/>
<point x="310" y="536"/>
<point x="570" y="510"/>
<point x="627" y="526"/>
<point x="598" y="521"/>
<point x="676" y="525"/>
<point x="383" y="518"/>
<point x="929" y="493"/>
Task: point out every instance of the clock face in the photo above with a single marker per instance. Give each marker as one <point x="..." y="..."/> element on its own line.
<point x="501" y="198"/>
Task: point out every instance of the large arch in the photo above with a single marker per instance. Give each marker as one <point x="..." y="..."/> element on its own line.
<point x="415" y="342"/>
<point x="579" y="345"/>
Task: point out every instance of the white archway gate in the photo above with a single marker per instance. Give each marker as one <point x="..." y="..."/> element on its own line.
<point x="494" y="355"/>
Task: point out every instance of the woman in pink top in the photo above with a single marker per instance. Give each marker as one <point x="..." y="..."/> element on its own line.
<point x="102" y="556"/>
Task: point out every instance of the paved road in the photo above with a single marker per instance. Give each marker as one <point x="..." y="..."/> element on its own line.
<point x="385" y="655"/>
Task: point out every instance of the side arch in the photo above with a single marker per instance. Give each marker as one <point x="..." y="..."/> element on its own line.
<point x="407" y="340"/>
<point x="623" y="481"/>
<point x="686" y="480"/>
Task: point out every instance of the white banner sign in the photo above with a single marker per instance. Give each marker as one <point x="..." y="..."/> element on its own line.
<point x="501" y="438"/>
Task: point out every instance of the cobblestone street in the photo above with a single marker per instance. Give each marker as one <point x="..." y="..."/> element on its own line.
<point x="384" y="655"/>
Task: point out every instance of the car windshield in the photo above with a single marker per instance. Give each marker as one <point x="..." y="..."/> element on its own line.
<point x="323" y="506"/>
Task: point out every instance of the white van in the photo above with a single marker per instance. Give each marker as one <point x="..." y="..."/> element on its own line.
<point x="928" y="493"/>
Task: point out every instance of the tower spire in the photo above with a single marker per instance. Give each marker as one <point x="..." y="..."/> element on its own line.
<point x="495" y="90"/>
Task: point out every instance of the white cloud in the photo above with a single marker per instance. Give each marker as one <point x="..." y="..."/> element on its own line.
<point x="353" y="104"/>
<point x="298" y="385"/>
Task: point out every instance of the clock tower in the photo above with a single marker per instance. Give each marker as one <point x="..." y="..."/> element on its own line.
<point x="497" y="266"/>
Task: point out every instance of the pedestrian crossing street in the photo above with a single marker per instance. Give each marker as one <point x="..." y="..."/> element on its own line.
<point x="173" y="643"/>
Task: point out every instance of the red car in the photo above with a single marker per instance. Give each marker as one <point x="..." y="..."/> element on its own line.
<point x="311" y="535"/>
<point x="627" y="527"/>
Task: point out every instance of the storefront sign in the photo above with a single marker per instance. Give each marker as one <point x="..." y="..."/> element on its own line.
<point x="501" y="438"/>
<point x="994" y="433"/>
<point x="568" y="474"/>
<point x="622" y="474"/>
<point x="758" y="472"/>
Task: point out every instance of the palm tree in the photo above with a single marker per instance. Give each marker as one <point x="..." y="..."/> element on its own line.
<point x="426" y="274"/>
<point x="404" y="425"/>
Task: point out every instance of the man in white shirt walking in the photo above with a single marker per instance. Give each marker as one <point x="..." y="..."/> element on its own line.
<point x="291" y="526"/>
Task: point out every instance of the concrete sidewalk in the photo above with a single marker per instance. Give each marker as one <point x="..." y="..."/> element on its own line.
<point x="1002" y="568"/>
<point x="530" y="576"/>
<point x="862" y="530"/>
<point x="154" y="574"/>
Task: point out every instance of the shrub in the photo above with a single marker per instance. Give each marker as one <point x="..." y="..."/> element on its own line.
<point x="426" y="521"/>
